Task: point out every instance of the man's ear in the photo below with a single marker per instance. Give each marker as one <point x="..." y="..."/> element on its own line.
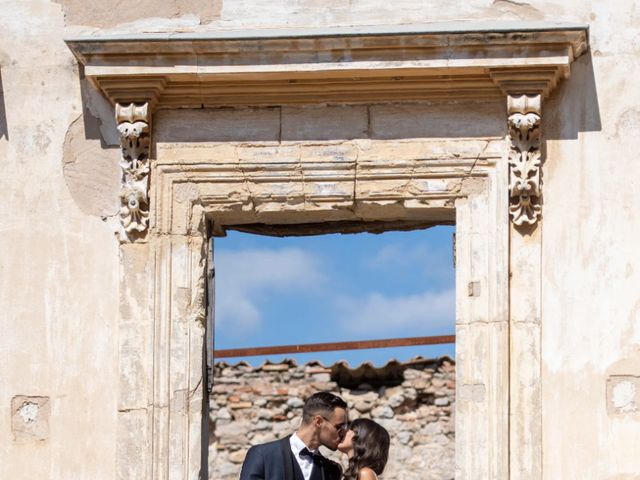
<point x="317" y="421"/>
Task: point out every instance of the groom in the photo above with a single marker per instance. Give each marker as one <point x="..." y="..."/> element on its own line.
<point x="296" y="457"/>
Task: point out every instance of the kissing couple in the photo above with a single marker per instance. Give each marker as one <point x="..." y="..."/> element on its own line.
<point x="324" y="422"/>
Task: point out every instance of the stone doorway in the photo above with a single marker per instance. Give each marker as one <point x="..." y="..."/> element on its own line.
<point x="200" y="188"/>
<point x="335" y="169"/>
<point x="264" y="135"/>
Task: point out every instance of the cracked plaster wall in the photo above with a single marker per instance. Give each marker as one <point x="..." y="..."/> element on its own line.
<point x="58" y="264"/>
<point x="59" y="268"/>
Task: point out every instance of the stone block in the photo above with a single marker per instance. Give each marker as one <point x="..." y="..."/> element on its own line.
<point x="321" y="377"/>
<point x="218" y="125"/>
<point x="324" y="122"/>
<point x="222" y="414"/>
<point x="396" y="400"/>
<point x="362" y="405"/>
<point x="383" y="411"/>
<point x="436" y="121"/>
<point x="238" y="456"/>
<point x="30" y="418"/>
<point x="623" y="394"/>
<point x="295" y="402"/>
<point x="413" y="374"/>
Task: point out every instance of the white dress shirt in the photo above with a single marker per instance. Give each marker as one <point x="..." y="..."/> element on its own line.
<point x="305" y="462"/>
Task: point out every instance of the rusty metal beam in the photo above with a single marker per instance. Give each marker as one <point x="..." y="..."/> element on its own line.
<point x="335" y="346"/>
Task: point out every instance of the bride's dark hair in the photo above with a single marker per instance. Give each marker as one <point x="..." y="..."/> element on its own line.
<point x="370" y="447"/>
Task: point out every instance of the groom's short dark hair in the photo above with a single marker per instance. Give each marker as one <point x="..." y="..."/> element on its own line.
<point x="319" y="403"/>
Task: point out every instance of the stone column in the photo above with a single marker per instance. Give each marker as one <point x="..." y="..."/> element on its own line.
<point x="525" y="209"/>
<point x="162" y="322"/>
<point x="482" y="330"/>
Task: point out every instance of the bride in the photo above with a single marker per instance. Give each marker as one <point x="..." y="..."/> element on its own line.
<point x="366" y="444"/>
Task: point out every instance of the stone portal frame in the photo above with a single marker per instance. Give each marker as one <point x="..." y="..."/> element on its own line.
<point x="236" y="187"/>
<point x="197" y="190"/>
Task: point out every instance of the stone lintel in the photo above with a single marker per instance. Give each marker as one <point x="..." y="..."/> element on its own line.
<point x="339" y="65"/>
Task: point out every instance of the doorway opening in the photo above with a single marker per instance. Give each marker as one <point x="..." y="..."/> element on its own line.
<point x="327" y="291"/>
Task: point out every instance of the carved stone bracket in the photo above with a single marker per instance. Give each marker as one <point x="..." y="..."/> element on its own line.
<point x="525" y="157"/>
<point x="134" y="126"/>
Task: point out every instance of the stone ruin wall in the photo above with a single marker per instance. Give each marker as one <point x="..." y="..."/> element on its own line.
<point x="414" y="401"/>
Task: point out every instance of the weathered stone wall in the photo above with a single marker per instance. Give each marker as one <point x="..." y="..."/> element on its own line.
<point x="59" y="257"/>
<point x="58" y="261"/>
<point x="415" y="404"/>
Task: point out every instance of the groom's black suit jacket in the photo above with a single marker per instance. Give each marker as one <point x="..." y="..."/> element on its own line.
<point x="275" y="461"/>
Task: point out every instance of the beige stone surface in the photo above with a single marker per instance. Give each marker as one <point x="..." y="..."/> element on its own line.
<point x="58" y="265"/>
<point x="60" y="292"/>
<point x="91" y="172"/>
<point x="591" y="322"/>
<point x="115" y="12"/>
<point x="30" y="418"/>
<point x="309" y="13"/>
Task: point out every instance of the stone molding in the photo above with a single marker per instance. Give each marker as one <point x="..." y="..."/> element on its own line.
<point x="134" y="126"/>
<point x="336" y="183"/>
<point x="415" y="63"/>
<point x="525" y="158"/>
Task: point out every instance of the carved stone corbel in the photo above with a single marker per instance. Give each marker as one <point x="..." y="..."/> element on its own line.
<point x="525" y="158"/>
<point x="134" y="126"/>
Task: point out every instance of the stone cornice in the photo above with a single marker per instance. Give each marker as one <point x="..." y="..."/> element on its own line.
<point x="337" y="65"/>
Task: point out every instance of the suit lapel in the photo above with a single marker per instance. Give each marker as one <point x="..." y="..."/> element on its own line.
<point x="287" y="458"/>
<point x="319" y="465"/>
<point x="330" y="470"/>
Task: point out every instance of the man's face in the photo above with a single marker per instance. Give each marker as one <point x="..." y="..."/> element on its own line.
<point x="332" y="428"/>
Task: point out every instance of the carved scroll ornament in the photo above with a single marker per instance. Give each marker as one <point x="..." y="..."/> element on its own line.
<point x="525" y="158"/>
<point x="134" y="126"/>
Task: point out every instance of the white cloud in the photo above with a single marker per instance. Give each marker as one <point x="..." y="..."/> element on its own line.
<point x="245" y="277"/>
<point x="380" y="314"/>
<point x="435" y="263"/>
<point x="388" y="254"/>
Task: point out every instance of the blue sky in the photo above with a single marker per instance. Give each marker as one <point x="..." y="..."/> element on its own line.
<point x="330" y="288"/>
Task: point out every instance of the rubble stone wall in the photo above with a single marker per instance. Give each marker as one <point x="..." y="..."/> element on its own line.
<point x="251" y="405"/>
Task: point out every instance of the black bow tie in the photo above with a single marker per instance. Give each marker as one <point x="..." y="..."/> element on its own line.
<point x="315" y="457"/>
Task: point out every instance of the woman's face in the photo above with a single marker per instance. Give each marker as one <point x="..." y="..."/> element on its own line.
<point x="346" y="445"/>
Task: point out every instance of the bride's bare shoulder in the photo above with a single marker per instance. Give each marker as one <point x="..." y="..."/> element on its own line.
<point x="367" y="474"/>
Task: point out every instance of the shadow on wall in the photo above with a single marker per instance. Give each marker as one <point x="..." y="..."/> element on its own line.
<point x="4" y="130"/>
<point x="573" y="106"/>
<point x="97" y="112"/>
